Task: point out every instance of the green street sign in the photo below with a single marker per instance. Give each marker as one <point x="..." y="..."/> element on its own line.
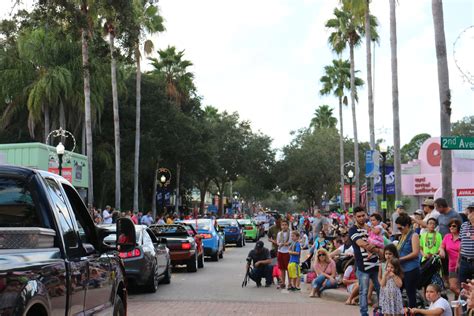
<point x="383" y="205"/>
<point x="457" y="142"/>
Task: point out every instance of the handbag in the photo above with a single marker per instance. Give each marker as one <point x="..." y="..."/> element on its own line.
<point x="310" y="276"/>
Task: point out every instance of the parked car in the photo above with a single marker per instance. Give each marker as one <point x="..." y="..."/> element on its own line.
<point x="52" y="257"/>
<point x="212" y="238"/>
<point x="148" y="263"/>
<point x="184" y="243"/>
<point x="250" y="229"/>
<point x="233" y="232"/>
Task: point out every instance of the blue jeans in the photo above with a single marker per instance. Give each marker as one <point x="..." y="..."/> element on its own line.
<point x="466" y="270"/>
<point x="322" y="283"/>
<point x="364" y="280"/>
<point x="256" y="274"/>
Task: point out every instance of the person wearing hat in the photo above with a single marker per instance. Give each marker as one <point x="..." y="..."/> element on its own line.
<point x="262" y="264"/>
<point x="417" y="216"/>
<point x="430" y="212"/>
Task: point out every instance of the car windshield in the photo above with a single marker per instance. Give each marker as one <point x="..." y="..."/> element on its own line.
<point x="245" y="221"/>
<point x="169" y="230"/>
<point x="202" y="225"/>
<point x="227" y="222"/>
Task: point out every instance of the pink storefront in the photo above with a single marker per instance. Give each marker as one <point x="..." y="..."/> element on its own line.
<point x="421" y="178"/>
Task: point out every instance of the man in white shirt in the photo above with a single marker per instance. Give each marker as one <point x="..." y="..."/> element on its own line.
<point x="430" y="212"/>
<point x="107" y="215"/>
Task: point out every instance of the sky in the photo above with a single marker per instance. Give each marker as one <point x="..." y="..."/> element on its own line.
<point x="264" y="58"/>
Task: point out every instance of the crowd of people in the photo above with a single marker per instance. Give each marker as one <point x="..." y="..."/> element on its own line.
<point x="110" y="215"/>
<point x="429" y="252"/>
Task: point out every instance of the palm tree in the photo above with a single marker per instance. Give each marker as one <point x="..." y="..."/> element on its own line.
<point x="444" y="96"/>
<point x="53" y="81"/>
<point x="148" y="21"/>
<point x="323" y="118"/>
<point x="172" y="68"/>
<point x="396" y="117"/>
<point x="337" y="80"/>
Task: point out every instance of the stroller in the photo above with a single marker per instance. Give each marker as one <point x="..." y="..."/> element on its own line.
<point x="430" y="273"/>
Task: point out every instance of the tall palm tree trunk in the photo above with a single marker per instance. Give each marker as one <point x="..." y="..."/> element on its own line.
<point x="354" y="124"/>
<point x="368" y="40"/>
<point x="444" y="96"/>
<point x="137" y="130"/>
<point x="396" y="118"/>
<point x="341" y="152"/>
<point x="87" y="110"/>
<point x="113" y="70"/>
<point x="47" y="123"/>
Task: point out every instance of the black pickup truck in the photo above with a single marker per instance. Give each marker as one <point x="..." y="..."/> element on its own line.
<point x="52" y="257"/>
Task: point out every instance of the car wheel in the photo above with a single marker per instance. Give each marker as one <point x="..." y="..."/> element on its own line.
<point x="167" y="278"/>
<point x="191" y="266"/>
<point x="215" y="257"/>
<point x="119" y="308"/>
<point x="152" y="284"/>
<point x="201" y="261"/>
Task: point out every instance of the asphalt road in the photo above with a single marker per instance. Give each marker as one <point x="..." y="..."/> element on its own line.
<point x="216" y="290"/>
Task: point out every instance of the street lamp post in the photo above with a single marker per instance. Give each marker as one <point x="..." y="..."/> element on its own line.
<point x="383" y="152"/>
<point x="60" y="152"/>
<point x="350" y="175"/>
<point x="164" y="180"/>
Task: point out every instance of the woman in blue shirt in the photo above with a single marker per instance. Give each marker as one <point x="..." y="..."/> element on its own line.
<point x="409" y="251"/>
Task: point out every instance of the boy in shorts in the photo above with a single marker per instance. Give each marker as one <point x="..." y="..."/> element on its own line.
<point x="294" y="273"/>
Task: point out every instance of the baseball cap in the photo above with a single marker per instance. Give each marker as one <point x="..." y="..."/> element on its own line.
<point x="428" y="202"/>
<point x="259" y="245"/>
<point x="419" y="212"/>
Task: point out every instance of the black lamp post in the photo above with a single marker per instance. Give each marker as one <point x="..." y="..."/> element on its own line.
<point x="60" y="152"/>
<point x="350" y="175"/>
<point x="383" y="152"/>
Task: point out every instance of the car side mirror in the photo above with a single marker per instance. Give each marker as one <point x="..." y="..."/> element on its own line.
<point x="126" y="235"/>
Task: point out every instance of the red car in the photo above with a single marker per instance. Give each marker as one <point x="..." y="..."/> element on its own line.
<point x="184" y="244"/>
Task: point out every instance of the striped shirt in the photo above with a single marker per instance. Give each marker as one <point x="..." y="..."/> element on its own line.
<point x="364" y="260"/>
<point x="467" y="240"/>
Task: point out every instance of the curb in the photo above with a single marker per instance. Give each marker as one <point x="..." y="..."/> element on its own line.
<point x="335" y="295"/>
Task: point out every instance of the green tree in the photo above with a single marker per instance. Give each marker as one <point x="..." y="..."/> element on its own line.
<point x="463" y="127"/>
<point x="410" y="151"/>
<point x="323" y="118"/>
<point x="336" y="80"/>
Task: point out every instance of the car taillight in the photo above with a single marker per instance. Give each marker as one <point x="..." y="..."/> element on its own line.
<point x="248" y="227"/>
<point x="130" y="254"/>
<point x="185" y="246"/>
<point x="206" y="236"/>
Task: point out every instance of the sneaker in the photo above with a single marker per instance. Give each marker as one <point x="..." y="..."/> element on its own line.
<point x="291" y="289"/>
<point x="297" y="289"/>
<point x="259" y="284"/>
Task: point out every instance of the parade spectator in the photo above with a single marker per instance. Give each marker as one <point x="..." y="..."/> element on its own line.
<point x="325" y="269"/>
<point x="169" y="219"/>
<point x="466" y="258"/>
<point x="160" y="220"/>
<point x="418" y="217"/>
<point x="283" y="257"/>
<point x="376" y="231"/>
<point x="430" y="241"/>
<point x="115" y="216"/>
<point x="349" y="279"/>
<point x="438" y="305"/>
<point x="445" y="215"/>
<point x="320" y="242"/>
<point x="320" y="223"/>
<point x="304" y="241"/>
<point x="395" y="232"/>
<point x="429" y="212"/>
<point x="262" y="268"/>
<point x="409" y="251"/>
<point x="391" y="280"/>
<point x="294" y="272"/>
<point x="107" y="215"/>
<point x="343" y="253"/>
<point x="147" y="219"/>
<point x="133" y="217"/>
<point x="367" y="268"/>
<point x="449" y="249"/>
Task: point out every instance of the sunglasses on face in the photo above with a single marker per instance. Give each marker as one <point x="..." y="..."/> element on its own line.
<point x="321" y="255"/>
